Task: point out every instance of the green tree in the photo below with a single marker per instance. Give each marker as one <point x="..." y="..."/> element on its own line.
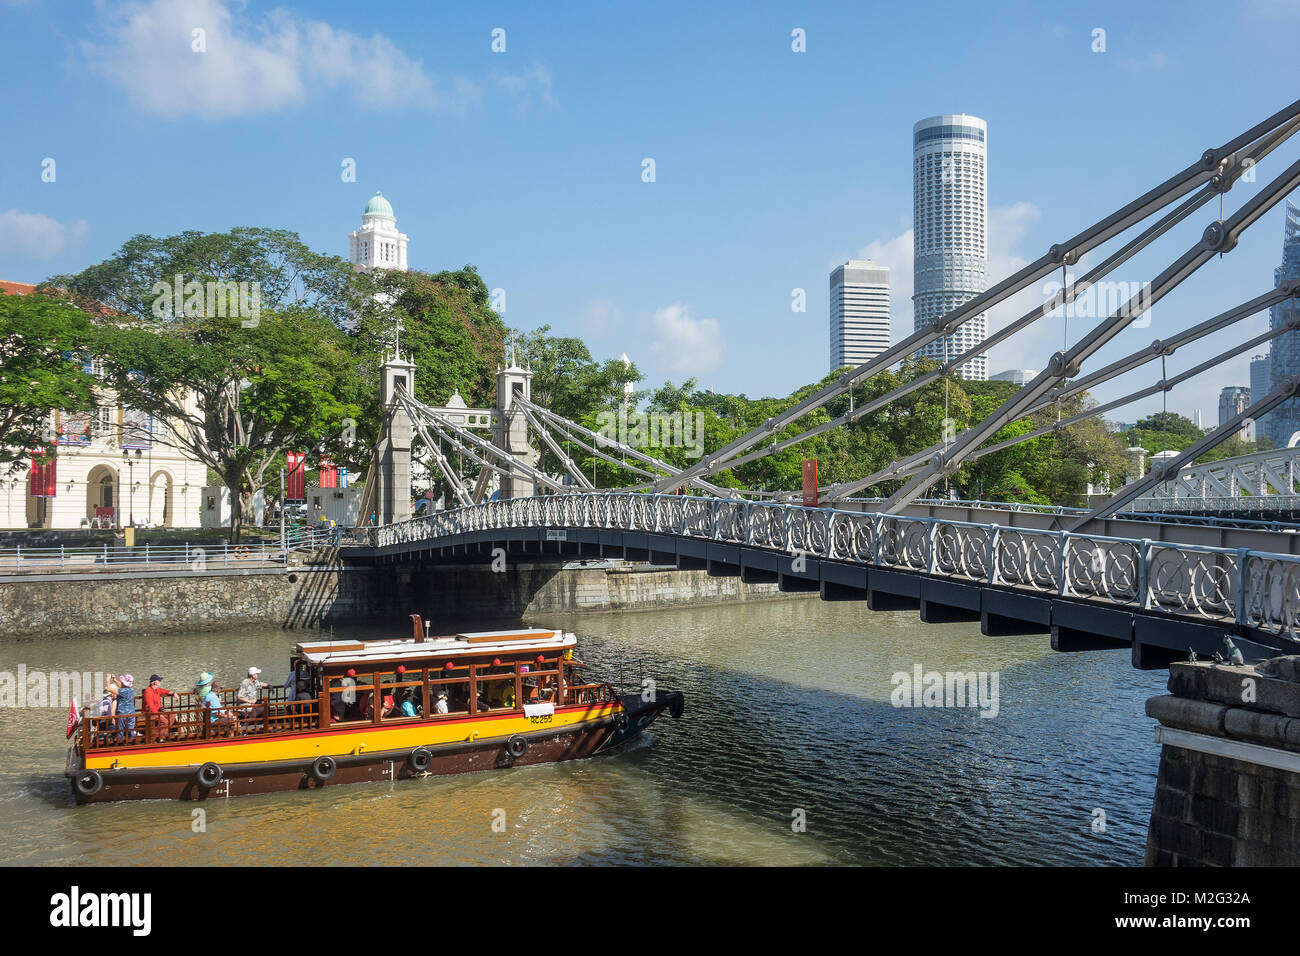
<point x="235" y="397"/>
<point x="287" y="272"/>
<point x="444" y="324"/>
<point x="42" y="347"/>
<point x="1165" y="431"/>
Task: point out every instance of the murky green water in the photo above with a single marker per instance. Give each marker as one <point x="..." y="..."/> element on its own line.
<point x="788" y="716"/>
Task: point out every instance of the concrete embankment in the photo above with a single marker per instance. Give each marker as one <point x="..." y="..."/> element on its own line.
<point x="326" y="592"/>
<point x="1228" y="791"/>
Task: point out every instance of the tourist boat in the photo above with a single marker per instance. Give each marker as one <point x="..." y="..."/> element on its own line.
<point x="511" y="698"/>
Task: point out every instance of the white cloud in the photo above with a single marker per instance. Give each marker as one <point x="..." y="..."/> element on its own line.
<point x="684" y="344"/>
<point x="600" y="317"/>
<point x="1140" y="64"/>
<point x="896" y="254"/>
<point x="36" y="234"/>
<point x="252" y="66"/>
<point x="533" y="82"/>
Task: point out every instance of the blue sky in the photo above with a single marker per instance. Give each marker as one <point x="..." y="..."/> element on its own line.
<point x="771" y="166"/>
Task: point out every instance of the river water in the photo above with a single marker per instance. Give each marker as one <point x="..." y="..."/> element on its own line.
<point x="789" y="752"/>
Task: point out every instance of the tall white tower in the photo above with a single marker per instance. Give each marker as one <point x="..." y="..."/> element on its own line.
<point x="377" y="244"/>
<point x="859" y="312"/>
<point x="950" y="248"/>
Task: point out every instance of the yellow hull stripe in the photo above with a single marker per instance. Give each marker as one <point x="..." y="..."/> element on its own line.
<point x="337" y="743"/>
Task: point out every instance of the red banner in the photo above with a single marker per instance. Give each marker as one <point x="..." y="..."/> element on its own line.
<point x="43" y="479"/>
<point x="296" y="476"/>
<point x="809" y="469"/>
<point x="329" y="475"/>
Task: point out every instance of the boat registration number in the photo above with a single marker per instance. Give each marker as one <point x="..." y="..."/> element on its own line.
<point x="540" y="713"/>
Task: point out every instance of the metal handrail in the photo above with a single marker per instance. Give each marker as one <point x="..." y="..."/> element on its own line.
<point x="1246" y="587"/>
<point x="188" y="556"/>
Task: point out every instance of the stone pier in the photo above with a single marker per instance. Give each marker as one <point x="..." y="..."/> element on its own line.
<point x="1228" y="791"/>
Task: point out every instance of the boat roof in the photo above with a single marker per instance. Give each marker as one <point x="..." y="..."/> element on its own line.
<point x="469" y="642"/>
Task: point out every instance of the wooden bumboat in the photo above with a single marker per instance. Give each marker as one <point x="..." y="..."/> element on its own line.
<point x="512" y="698"/>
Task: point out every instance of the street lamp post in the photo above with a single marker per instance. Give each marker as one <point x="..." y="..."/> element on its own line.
<point x="284" y="548"/>
<point x="130" y="481"/>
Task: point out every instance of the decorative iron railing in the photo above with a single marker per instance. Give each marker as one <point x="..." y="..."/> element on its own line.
<point x="1248" y="588"/>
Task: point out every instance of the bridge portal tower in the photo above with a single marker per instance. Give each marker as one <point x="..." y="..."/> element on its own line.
<point x="393" y="495"/>
<point x="510" y="429"/>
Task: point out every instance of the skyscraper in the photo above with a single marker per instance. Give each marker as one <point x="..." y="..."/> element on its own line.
<point x="859" y="312"/>
<point x="950" y="245"/>
<point x="1284" y="420"/>
<point x="1234" y="400"/>
<point x="1258" y="389"/>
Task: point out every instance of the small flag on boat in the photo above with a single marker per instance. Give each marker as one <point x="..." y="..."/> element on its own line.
<point x="74" y="718"/>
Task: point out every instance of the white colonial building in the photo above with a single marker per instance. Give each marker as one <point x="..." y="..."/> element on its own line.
<point x="112" y="468"/>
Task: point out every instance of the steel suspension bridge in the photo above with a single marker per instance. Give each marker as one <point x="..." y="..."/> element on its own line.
<point x="1170" y="565"/>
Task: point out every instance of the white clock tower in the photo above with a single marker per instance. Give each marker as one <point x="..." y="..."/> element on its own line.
<point x="377" y="244"/>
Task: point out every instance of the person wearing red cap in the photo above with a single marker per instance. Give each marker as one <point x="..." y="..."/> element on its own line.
<point x="161" y="724"/>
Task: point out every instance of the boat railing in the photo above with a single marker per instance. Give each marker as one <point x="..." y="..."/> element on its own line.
<point x="197" y="722"/>
<point x="589" y="693"/>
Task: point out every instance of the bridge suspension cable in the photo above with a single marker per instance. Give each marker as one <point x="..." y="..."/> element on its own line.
<point x="1217" y="169"/>
<point x="676" y="477"/>
<point x="1159" y="349"/>
<point x="1219" y="237"/>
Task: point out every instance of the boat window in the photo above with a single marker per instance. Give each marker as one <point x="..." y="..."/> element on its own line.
<point x="540" y="681"/>
<point x="401" y="694"/>
<point x="454" y="681"/>
<point x="350" y="695"/>
<point x="496" y="686"/>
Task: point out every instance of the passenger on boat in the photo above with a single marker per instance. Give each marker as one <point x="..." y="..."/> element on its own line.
<point x="126" y="707"/>
<point x="250" y="692"/>
<point x="349" y="695"/>
<point x="153" y="694"/>
<point x="107" y="705"/>
<point x="409" y="706"/>
<point x="441" y="706"/>
<point x="206" y="691"/>
<point x="229" y="716"/>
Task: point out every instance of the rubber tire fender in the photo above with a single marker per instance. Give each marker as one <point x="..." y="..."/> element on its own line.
<point x="209" y="775"/>
<point x="322" y="768"/>
<point x="88" y="783"/>
<point x="619" y="722"/>
<point x="516" y="747"/>
<point x="420" y="759"/>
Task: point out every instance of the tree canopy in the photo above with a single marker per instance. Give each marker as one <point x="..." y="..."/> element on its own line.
<point x="43" y="345"/>
<point x="233" y="396"/>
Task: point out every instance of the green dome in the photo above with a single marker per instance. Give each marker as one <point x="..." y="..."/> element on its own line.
<point x="379" y="206"/>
